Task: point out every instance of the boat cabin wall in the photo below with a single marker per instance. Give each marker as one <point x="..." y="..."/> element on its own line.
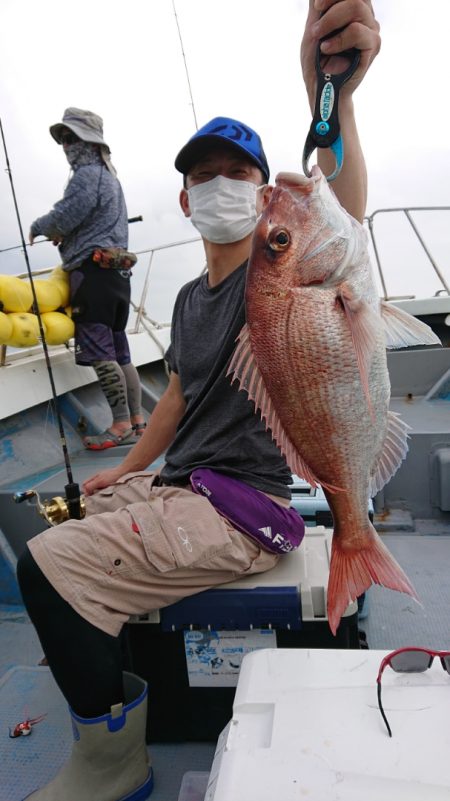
<point x="414" y="371"/>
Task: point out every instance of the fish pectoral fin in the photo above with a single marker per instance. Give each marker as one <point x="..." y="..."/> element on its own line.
<point x="363" y="323"/>
<point x="394" y="450"/>
<point x="402" y="330"/>
<point x="243" y="368"/>
<point x="353" y="571"/>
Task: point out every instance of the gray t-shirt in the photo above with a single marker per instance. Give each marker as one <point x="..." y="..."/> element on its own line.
<point x="220" y="428"/>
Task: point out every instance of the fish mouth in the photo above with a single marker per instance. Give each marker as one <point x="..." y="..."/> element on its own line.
<point x="295" y="182"/>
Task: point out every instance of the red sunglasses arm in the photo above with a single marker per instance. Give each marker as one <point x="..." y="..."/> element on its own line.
<point x="384" y="662"/>
<point x="380" y="705"/>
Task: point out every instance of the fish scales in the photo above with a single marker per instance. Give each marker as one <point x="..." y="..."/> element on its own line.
<point x="333" y="411"/>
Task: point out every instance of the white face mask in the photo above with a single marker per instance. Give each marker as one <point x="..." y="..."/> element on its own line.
<point x="223" y="210"/>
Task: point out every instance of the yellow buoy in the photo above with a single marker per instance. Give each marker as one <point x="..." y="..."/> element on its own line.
<point x="49" y="296"/>
<point x="59" y="273"/>
<point x="60" y="277"/>
<point x="64" y="291"/>
<point x="15" y="294"/>
<point x="6" y="328"/>
<point x="58" y="327"/>
<point x="25" y="330"/>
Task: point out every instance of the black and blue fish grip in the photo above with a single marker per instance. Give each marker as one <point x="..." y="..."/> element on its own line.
<point x="325" y="130"/>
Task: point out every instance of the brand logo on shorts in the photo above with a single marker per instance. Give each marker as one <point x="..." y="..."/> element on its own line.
<point x="184" y="538"/>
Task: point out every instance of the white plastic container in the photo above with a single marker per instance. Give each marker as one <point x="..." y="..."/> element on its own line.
<point x="193" y="786"/>
<point x="306" y="725"/>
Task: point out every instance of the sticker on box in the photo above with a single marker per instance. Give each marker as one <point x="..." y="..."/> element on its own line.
<point x="214" y="658"/>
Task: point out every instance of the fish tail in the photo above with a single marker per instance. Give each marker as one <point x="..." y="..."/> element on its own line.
<point x="353" y="571"/>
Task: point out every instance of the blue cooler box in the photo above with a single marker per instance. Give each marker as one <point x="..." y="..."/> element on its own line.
<point x="191" y="652"/>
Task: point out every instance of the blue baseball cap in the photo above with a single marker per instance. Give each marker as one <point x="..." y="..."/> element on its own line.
<point x="226" y="131"/>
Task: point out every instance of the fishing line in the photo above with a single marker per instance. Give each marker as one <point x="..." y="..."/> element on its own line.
<point x="72" y="489"/>
<point x="185" y="65"/>
<point x="139" y="218"/>
<point x="20" y="247"/>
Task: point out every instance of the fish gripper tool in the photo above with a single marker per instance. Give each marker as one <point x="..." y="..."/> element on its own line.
<point x="325" y="129"/>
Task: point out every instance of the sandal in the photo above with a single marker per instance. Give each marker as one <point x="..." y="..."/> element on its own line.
<point x="99" y="442"/>
<point x="139" y="428"/>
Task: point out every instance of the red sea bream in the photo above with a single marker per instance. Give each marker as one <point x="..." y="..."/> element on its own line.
<point x="312" y="357"/>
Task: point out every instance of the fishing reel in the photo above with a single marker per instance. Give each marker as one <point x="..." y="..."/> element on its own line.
<point x="54" y="510"/>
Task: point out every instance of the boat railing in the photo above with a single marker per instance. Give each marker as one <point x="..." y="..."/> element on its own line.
<point x="407" y="212"/>
<point x="142" y="320"/>
<point x="139" y="308"/>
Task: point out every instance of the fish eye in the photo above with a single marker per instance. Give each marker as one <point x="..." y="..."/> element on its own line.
<point x="279" y="239"/>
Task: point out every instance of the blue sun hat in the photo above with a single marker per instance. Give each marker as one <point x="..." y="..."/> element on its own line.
<point x="223" y="130"/>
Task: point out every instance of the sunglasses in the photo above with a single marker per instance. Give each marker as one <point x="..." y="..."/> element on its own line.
<point x="68" y="138"/>
<point x="409" y="660"/>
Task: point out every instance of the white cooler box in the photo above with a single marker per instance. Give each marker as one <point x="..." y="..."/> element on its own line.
<point x="306" y="725"/>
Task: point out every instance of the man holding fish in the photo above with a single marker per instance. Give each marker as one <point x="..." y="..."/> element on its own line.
<point x="219" y="508"/>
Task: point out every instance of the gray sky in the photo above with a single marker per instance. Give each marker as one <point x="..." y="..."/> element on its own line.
<point x="124" y="61"/>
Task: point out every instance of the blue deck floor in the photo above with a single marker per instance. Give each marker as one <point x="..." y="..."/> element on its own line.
<point x="19" y="645"/>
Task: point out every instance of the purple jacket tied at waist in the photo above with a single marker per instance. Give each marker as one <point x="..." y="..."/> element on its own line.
<point x="275" y="528"/>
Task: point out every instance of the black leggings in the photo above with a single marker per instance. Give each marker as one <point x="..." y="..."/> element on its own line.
<point x="86" y="663"/>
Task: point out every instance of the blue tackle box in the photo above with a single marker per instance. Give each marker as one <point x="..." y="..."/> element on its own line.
<point x="191" y="652"/>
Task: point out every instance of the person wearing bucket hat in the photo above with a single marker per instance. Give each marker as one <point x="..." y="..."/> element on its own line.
<point x="151" y="538"/>
<point x="90" y="224"/>
<point x="86" y="126"/>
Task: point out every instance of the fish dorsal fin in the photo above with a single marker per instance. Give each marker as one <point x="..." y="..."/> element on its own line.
<point x="243" y="367"/>
<point x="402" y="330"/>
<point x="363" y="322"/>
<point x="395" y="448"/>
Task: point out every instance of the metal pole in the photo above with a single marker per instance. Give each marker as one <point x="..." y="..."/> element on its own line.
<point x="375" y="249"/>
<point x="436" y="268"/>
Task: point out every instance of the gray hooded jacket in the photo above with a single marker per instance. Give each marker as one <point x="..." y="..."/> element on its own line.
<point x="91" y="214"/>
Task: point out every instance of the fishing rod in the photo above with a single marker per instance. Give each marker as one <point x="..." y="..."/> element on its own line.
<point x="72" y="489"/>
<point x="139" y="218"/>
<point x="185" y="64"/>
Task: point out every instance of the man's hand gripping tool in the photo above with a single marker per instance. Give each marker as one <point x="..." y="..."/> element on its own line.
<point x="325" y="128"/>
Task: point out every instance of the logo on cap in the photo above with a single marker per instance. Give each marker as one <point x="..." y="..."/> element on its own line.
<point x="239" y="131"/>
<point x="228" y="130"/>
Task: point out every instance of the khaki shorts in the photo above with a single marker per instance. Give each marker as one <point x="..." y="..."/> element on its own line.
<point x="142" y="547"/>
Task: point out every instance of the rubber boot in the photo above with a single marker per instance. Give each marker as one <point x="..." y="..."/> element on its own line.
<point x="109" y="760"/>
